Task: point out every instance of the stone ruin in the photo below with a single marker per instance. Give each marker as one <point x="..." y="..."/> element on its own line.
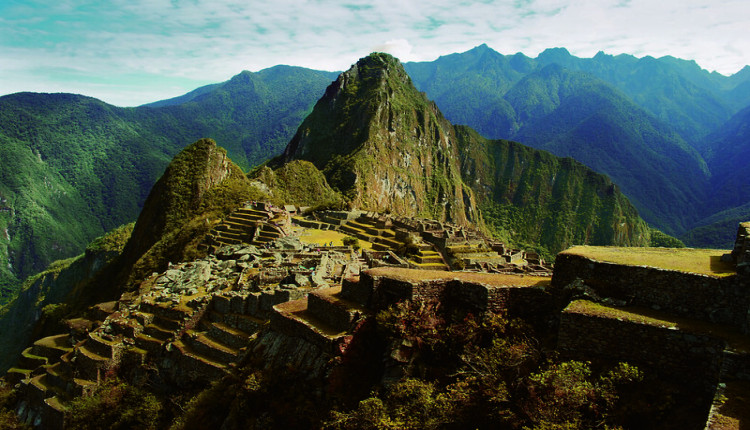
<point x="261" y="291"/>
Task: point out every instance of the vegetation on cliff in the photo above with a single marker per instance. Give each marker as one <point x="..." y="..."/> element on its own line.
<point x="384" y="146"/>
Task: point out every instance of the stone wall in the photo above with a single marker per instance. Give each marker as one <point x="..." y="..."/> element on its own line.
<point x="534" y="304"/>
<point x="741" y="252"/>
<point x="692" y="359"/>
<point x="717" y="300"/>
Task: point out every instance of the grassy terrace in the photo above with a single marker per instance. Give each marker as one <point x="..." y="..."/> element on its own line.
<point x="492" y="279"/>
<point x="640" y="315"/>
<point x="315" y="236"/>
<point x="734" y="412"/>
<point x="702" y="261"/>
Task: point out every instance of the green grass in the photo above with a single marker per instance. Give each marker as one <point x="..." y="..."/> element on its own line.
<point x="701" y="261"/>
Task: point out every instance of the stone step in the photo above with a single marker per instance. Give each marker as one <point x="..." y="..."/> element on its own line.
<point x="83" y="387"/>
<point x="246" y="218"/>
<point x="246" y="323"/>
<point x="240" y="224"/>
<point x="427" y="259"/>
<point x="62" y="383"/>
<point x="52" y="347"/>
<point x="61" y="370"/>
<point x="90" y="365"/>
<point x="45" y="387"/>
<point x="294" y="319"/>
<point x="148" y="343"/>
<point x="234" y="235"/>
<point x="211" y="348"/>
<point x="102" y="346"/>
<point x="53" y="414"/>
<point x="390" y="242"/>
<point x="197" y="367"/>
<point x="14" y="375"/>
<point x="101" y="311"/>
<point x="381" y="247"/>
<point x="358" y="224"/>
<point x="427" y="266"/>
<point x="222" y="241"/>
<point x="157" y="332"/>
<point x="39" y="389"/>
<point x="30" y="360"/>
<point x="169" y="324"/>
<point x="229" y="335"/>
<point x="168" y="313"/>
<point x="329" y="306"/>
<point x="133" y="356"/>
<point x="348" y="228"/>
<point x="252" y="212"/>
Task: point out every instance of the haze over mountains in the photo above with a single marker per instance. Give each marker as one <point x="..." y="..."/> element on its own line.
<point x="670" y="135"/>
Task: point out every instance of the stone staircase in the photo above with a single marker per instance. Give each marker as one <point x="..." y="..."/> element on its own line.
<point x="267" y="233"/>
<point x="427" y="258"/>
<point x="368" y="229"/>
<point x="326" y="318"/>
<point x="41" y="381"/>
<point x="208" y="351"/>
<point x="241" y="226"/>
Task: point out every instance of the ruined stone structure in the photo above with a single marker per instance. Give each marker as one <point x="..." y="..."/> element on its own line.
<point x="288" y="303"/>
<point x="432" y="245"/>
<point x="688" y="327"/>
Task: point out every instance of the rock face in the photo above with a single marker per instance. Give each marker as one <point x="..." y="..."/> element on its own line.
<point x="384" y="145"/>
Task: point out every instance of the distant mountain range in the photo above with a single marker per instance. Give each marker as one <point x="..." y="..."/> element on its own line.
<point x="670" y="134"/>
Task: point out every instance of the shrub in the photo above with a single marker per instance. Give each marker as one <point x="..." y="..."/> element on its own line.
<point x="351" y="241"/>
<point x="115" y="405"/>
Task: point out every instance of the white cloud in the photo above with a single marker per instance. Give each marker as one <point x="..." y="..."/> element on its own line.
<point x="211" y="40"/>
<point x="399" y="48"/>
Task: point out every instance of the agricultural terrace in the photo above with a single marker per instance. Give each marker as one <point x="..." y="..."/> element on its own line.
<point x="701" y="261"/>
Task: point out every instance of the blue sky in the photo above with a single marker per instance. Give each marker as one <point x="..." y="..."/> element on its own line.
<point x="130" y="52"/>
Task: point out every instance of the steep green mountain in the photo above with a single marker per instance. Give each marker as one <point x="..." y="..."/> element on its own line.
<point x="386" y="147"/>
<point x="728" y="157"/>
<point x="533" y="198"/>
<point x="74" y="167"/>
<point x="253" y="114"/>
<point x="692" y="100"/>
<point x="571" y="114"/>
<point x="619" y="115"/>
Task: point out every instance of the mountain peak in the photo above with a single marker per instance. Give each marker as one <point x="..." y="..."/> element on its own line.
<point x="376" y="137"/>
